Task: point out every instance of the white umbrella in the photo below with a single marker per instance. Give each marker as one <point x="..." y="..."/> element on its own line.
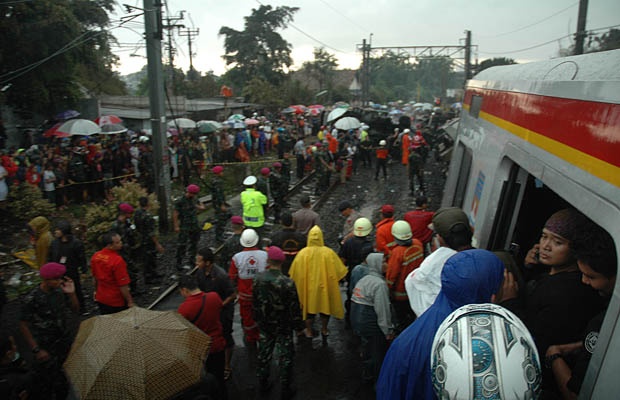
<point x="77" y="127"/>
<point x="181" y="123"/>
<point x="347" y="123"/>
<point x="335" y="114"/>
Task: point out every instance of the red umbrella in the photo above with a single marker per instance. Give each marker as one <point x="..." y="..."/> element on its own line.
<point x="299" y="109"/>
<point x="108" y="120"/>
<point x="53" y="132"/>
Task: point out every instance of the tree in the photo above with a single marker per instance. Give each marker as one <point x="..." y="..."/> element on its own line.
<point x="259" y="51"/>
<point x="52" y="48"/>
<point x="494" y="62"/>
<point x="322" y="68"/>
<point x="433" y="75"/>
<point x="607" y="41"/>
<point x="392" y="77"/>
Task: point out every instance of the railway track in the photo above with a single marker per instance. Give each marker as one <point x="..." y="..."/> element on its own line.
<point x="170" y="297"/>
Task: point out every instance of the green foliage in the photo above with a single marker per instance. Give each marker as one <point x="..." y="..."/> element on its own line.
<point x="26" y="202"/>
<point x="493" y="62"/>
<point x="50" y="47"/>
<point x="99" y="218"/>
<point x="259" y="51"/>
<point x="322" y="68"/>
<point x="607" y="41"/>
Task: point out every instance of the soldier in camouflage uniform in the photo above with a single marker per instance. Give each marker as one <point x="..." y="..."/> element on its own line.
<point x="278" y="314"/>
<point x="44" y="323"/>
<point x="321" y="166"/>
<point x="185" y="222"/>
<point x="262" y="185"/>
<point x="149" y="244"/>
<point x="218" y="198"/>
<point x="232" y="245"/>
<point x="131" y="242"/>
<point x="278" y="187"/>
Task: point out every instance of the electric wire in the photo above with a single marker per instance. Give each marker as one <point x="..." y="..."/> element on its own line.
<point x="532" y="24"/>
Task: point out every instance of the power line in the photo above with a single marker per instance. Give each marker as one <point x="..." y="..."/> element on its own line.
<point x="532" y="24"/>
<point x="546" y="43"/>
<point x="344" y="16"/>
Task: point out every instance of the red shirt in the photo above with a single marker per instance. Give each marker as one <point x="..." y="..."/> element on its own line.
<point x="209" y="319"/>
<point x="419" y="220"/>
<point x="110" y="270"/>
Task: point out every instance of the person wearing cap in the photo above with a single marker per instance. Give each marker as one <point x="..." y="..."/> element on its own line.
<point x="452" y="234"/>
<point x="68" y="250"/>
<point x="131" y="241"/>
<point x="244" y="267"/>
<point x="350" y="216"/>
<point x="557" y="305"/>
<point x="354" y="251"/>
<point x="404" y="145"/>
<point x="253" y="203"/>
<point x="470" y="277"/>
<point x="231" y="246"/>
<point x="289" y="240"/>
<point x="185" y="222"/>
<point x="44" y="322"/>
<point x="382" y="156"/>
<point x="218" y="199"/>
<point x="384" y="240"/>
<point x="278" y="314"/>
<point x="317" y="271"/>
<point x="405" y="257"/>
<point x="305" y="218"/>
<point x="149" y="246"/>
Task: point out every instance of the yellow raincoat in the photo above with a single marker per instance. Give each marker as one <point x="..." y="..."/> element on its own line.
<point x="316" y="270"/>
<point x="43" y="239"/>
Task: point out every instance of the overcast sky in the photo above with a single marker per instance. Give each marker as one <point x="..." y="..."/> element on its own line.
<point x="526" y="30"/>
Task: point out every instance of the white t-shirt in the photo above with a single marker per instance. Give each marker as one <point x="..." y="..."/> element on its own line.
<point x="48" y="181"/>
<point x="424" y="283"/>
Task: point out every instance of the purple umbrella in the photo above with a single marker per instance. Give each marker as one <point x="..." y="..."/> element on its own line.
<point x="67" y="114"/>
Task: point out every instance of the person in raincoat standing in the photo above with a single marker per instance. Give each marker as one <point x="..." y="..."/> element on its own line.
<point x="316" y="271"/>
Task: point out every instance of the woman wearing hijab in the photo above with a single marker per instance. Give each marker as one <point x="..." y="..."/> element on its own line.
<point x="468" y="277"/>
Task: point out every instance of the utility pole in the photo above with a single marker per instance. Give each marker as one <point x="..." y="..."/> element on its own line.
<point x="190" y="33"/>
<point x="161" y="165"/>
<point x="468" y="72"/>
<point x="170" y="25"/>
<point x="580" y="35"/>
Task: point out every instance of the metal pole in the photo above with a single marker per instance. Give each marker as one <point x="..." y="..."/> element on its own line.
<point x="580" y="35"/>
<point x="161" y="162"/>
<point x="468" y="74"/>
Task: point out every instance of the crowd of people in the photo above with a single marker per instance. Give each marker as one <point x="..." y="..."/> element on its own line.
<point x="402" y="278"/>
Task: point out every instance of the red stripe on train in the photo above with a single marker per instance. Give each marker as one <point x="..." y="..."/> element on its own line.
<point x="596" y="130"/>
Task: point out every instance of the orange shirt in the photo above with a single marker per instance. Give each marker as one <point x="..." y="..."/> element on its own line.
<point x="403" y="260"/>
<point x="384" y="235"/>
<point x="110" y="271"/>
<point x="382" y="153"/>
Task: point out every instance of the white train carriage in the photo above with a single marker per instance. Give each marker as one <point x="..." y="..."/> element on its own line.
<point x="534" y="138"/>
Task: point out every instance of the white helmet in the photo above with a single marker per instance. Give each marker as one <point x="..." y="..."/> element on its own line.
<point x="484" y="351"/>
<point x="362" y="227"/>
<point x="382" y="143"/>
<point x="249" y="181"/>
<point x="249" y="238"/>
<point x="401" y="230"/>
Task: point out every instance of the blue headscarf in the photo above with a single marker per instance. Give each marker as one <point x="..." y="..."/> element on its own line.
<point x="468" y="277"/>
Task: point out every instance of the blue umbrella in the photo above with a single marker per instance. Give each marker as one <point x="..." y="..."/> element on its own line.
<point x="67" y="114"/>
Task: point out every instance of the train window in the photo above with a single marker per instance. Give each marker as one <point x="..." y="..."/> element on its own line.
<point x="463" y="179"/>
<point x="476" y="104"/>
<point x="506" y="206"/>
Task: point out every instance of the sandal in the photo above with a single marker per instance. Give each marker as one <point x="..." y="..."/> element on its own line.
<point x="227" y="373"/>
